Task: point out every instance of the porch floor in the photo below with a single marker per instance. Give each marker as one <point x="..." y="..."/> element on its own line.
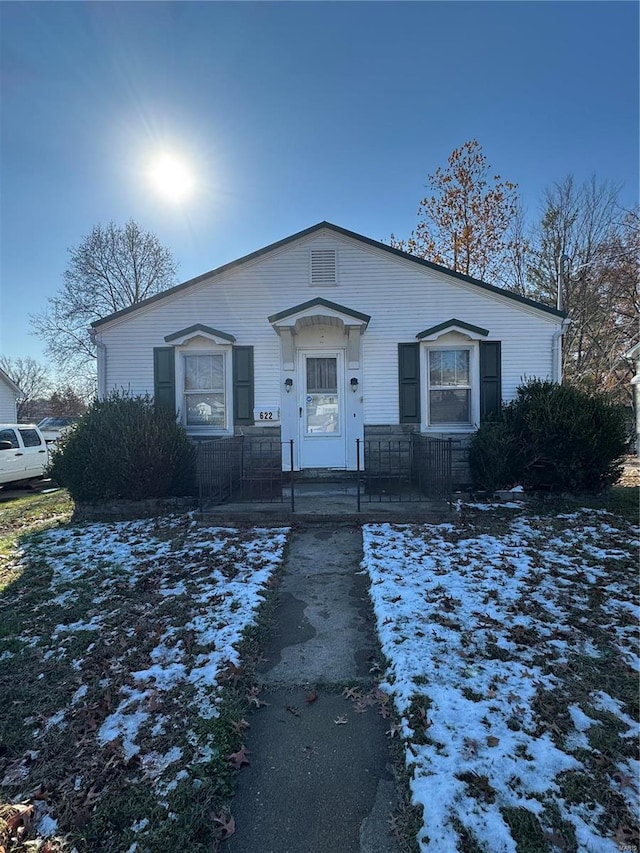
<point x="317" y="503"/>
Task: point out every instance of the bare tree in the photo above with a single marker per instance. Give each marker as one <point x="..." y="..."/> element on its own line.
<point x="33" y="380"/>
<point x="66" y="402"/>
<point x="465" y="224"/>
<point x="112" y="268"/>
<point x="585" y="225"/>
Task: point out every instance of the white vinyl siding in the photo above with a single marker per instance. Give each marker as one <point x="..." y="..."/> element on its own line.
<point x="8" y="405"/>
<point x="401" y="298"/>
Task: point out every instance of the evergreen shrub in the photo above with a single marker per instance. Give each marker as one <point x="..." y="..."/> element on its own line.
<point x="552" y="438"/>
<point x="125" y="448"/>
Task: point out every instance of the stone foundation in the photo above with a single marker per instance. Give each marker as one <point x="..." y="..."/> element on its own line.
<point x="459" y="446"/>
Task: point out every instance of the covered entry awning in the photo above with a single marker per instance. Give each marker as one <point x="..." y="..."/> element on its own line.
<point x="319" y="312"/>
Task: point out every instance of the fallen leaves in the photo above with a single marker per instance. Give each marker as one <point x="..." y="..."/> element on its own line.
<point x="626" y="837"/>
<point x="240" y="758"/>
<point x="253" y="697"/>
<point x="340" y="721"/>
<point x="143" y="630"/>
<point x="351" y="693"/>
<point x="623" y="780"/>
<point x="497" y="631"/>
<point x="15" y="822"/>
<point x="227" y="824"/>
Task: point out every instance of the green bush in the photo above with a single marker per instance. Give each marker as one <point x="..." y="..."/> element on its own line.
<point x="124" y="448"/>
<point x="551" y="438"/>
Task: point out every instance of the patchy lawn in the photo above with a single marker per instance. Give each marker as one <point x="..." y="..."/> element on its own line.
<point x="118" y="658"/>
<point x="512" y="650"/>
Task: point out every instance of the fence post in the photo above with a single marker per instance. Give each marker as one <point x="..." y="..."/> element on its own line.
<point x="358" y="470"/>
<point x="293" y="505"/>
<point x="449" y="470"/>
<point x="199" y="470"/>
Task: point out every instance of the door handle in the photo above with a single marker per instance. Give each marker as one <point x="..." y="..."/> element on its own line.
<point x="19" y="453"/>
<point x="300" y="411"/>
<point x="42" y="451"/>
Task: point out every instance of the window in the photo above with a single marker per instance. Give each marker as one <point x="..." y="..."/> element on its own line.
<point x="449" y="392"/>
<point x="30" y="438"/>
<point x="9" y="435"/>
<point x="204" y="390"/>
<point x="322" y="412"/>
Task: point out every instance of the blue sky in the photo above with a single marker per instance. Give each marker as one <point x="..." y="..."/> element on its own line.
<point x="288" y="114"/>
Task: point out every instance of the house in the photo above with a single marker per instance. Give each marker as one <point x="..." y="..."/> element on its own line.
<point x="326" y="337"/>
<point x="9" y="393"/>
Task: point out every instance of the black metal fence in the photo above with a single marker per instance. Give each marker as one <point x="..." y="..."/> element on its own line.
<point x="412" y="468"/>
<point x="238" y="468"/>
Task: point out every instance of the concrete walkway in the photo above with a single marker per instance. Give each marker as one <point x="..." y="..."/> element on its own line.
<point x="319" y="779"/>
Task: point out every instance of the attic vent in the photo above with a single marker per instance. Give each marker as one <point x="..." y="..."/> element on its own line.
<point x="323" y="266"/>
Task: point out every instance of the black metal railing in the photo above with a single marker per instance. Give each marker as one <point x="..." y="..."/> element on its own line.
<point x="248" y="469"/>
<point x="433" y="465"/>
<point x="219" y="468"/>
<point x="242" y="468"/>
<point x="263" y="477"/>
<point x="412" y="468"/>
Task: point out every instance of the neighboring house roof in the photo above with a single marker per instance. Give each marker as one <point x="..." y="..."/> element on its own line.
<point x="345" y="233"/>
<point x="8" y="381"/>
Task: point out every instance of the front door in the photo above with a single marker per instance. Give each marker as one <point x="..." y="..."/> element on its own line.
<point x="321" y="409"/>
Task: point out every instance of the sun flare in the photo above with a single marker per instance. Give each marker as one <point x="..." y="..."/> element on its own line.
<point x="171" y="178"/>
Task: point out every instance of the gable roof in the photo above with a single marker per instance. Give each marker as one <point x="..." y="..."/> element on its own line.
<point x="199" y="328"/>
<point x="319" y="302"/>
<point x="218" y="271"/>
<point x="453" y="325"/>
<point x="9" y="381"/>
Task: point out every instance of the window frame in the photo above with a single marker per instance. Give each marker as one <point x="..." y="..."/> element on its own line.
<point x="227" y="388"/>
<point x="472" y="348"/>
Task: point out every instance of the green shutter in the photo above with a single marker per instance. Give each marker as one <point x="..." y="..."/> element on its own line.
<point x="490" y="379"/>
<point x="243" y="385"/>
<point x="409" y="383"/>
<point x="164" y="378"/>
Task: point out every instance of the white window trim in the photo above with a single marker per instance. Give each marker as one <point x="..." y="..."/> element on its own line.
<point x="225" y="351"/>
<point x="474" y="374"/>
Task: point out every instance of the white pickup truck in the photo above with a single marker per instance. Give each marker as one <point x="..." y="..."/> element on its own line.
<point x="23" y="453"/>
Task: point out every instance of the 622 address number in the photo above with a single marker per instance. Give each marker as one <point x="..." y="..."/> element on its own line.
<point x="266" y="416"/>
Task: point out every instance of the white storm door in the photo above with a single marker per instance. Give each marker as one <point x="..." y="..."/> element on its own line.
<point x="321" y="409"/>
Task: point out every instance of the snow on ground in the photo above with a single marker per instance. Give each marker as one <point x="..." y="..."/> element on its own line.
<point x="141" y="612"/>
<point x="480" y="631"/>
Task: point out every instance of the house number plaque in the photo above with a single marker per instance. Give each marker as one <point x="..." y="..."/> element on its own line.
<point x="266" y="416"/>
